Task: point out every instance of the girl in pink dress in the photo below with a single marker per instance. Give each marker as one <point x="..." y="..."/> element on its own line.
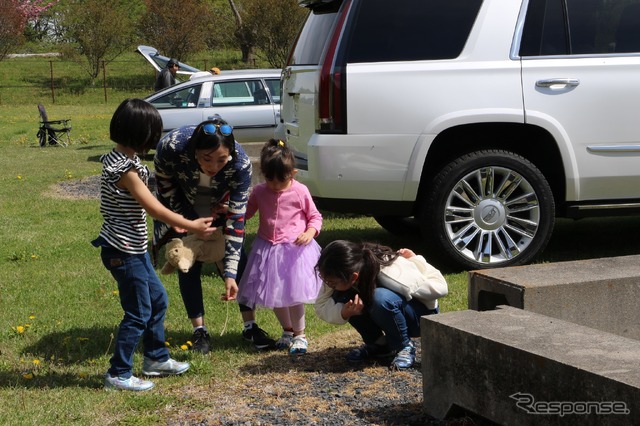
<point x="280" y="272"/>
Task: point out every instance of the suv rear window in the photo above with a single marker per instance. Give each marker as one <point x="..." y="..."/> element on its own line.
<point x="407" y="30"/>
<point x="309" y="47"/>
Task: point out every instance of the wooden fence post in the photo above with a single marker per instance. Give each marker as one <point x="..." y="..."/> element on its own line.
<point x="104" y="81"/>
<point x="53" y="91"/>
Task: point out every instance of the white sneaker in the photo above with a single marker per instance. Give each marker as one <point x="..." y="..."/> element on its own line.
<point x="131" y="383"/>
<point x="299" y="346"/>
<point x="165" y="368"/>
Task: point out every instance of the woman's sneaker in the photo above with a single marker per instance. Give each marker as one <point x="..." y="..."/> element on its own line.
<point x="131" y="383"/>
<point x="284" y="342"/>
<point x="165" y="368"/>
<point x="258" y="337"/>
<point x="404" y="358"/>
<point x="200" y="340"/>
<point x="299" y="346"/>
<point x="368" y="351"/>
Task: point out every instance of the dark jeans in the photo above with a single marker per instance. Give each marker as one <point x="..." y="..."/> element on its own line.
<point x="191" y="288"/>
<point x="144" y="301"/>
<point x="390" y="315"/>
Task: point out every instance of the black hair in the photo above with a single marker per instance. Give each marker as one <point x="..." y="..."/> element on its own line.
<point x="136" y="124"/>
<point x="277" y="160"/>
<point x="341" y="258"/>
<point x="201" y="140"/>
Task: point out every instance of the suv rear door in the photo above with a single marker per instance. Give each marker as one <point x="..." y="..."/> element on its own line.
<point x="585" y="89"/>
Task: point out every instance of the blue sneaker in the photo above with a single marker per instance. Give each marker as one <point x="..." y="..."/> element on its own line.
<point x="131" y="383"/>
<point x="285" y="341"/>
<point x="404" y="358"/>
<point x="165" y="368"/>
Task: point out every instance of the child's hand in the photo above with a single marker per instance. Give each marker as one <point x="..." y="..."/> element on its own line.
<point x="202" y="227"/>
<point x="305" y="238"/>
<point x="231" y="289"/>
<point x="352" y="307"/>
<point x="406" y="253"/>
<point x="179" y="230"/>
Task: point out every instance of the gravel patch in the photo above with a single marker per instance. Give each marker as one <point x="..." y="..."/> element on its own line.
<point x="319" y="388"/>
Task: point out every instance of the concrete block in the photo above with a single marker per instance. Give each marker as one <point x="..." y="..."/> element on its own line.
<point x="599" y="293"/>
<point x="517" y="367"/>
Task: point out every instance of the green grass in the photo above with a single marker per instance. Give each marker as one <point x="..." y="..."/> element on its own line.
<point x="59" y="309"/>
<point x="54" y="289"/>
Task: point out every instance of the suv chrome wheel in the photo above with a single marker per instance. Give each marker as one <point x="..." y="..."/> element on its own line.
<point x="490" y="209"/>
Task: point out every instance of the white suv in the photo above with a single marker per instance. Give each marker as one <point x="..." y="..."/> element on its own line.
<point x="481" y="119"/>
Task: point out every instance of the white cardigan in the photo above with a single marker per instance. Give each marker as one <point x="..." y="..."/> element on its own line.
<point x="411" y="278"/>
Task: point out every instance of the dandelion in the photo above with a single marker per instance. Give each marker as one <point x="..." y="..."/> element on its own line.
<point x="167" y="344"/>
<point x="116" y="292"/>
<point x="27" y="325"/>
<point x="28" y="376"/>
<point x="189" y="343"/>
<point x="36" y="362"/>
<point x="19" y="329"/>
<point x="184" y="347"/>
<point x="19" y="177"/>
<point x="32" y="317"/>
<point x="34" y="256"/>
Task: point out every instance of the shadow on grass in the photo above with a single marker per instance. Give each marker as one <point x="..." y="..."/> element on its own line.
<point x="11" y="379"/>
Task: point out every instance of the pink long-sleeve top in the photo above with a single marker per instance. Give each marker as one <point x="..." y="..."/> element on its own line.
<point x="284" y="215"/>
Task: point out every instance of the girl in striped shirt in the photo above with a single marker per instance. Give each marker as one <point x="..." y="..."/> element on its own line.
<point x="125" y="201"/>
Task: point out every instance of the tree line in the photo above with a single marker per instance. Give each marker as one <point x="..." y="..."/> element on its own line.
<point x="94" y="32"/>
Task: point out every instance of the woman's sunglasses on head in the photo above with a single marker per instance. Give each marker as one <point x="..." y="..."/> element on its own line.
<point x="210" y="129"/>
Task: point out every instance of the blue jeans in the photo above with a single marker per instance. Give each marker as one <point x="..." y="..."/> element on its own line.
<point x="390" y="315"/>
<point x="191" y="287"/>
<point x="144" y="301"/>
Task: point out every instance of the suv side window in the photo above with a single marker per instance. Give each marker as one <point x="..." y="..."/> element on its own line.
<point x="407" y="30"/>
<point x="592" y="26"/>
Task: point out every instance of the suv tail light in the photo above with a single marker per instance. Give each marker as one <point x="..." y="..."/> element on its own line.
<point x="332" y="100"/>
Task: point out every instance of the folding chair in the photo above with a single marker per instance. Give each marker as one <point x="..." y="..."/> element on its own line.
<point x="54" y="135"/>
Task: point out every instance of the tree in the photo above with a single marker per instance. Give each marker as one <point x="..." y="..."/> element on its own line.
<point x="14" y="15"/>
<point x="100" y="31"/>
<point x="175" y="31"/>
<point x="267" y="25"/>
<point x="277" y="23"/>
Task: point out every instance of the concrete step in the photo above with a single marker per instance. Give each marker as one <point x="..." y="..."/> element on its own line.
<point x="516" y="367"/>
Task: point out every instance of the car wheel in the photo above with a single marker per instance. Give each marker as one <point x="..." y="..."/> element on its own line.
<point x="398" y="225"/>
<point x="488" y="209"/>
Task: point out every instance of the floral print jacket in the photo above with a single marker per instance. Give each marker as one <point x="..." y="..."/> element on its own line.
<point x="177" y="177"/>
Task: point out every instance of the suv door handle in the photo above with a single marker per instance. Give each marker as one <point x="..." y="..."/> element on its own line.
<point x="564" y="82"/>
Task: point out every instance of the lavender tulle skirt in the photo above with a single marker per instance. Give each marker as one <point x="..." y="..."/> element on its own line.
<point x="280" y="275"/>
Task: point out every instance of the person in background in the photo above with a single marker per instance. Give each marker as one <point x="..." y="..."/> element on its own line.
<point x="382" y="293"/>
<point x="280" y="270"/>
<point x="202" y="171"/>
<point x="125" y="201"/>
<point x="167" y="76"/>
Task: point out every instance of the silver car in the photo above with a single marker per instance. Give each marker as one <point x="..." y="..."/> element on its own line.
<point x="249" y="100"/>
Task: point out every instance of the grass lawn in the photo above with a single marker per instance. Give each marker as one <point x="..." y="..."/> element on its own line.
<point x="60" y="309"/>
<point x="59" y="306"/>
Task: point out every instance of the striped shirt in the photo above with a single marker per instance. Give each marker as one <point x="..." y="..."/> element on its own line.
<point x="125" y="221"/>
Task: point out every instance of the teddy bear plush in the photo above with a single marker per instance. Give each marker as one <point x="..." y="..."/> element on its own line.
<point x="183" y="253"/>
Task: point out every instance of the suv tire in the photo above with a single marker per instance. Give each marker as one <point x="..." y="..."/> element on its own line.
<point x="489" y="208"/>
